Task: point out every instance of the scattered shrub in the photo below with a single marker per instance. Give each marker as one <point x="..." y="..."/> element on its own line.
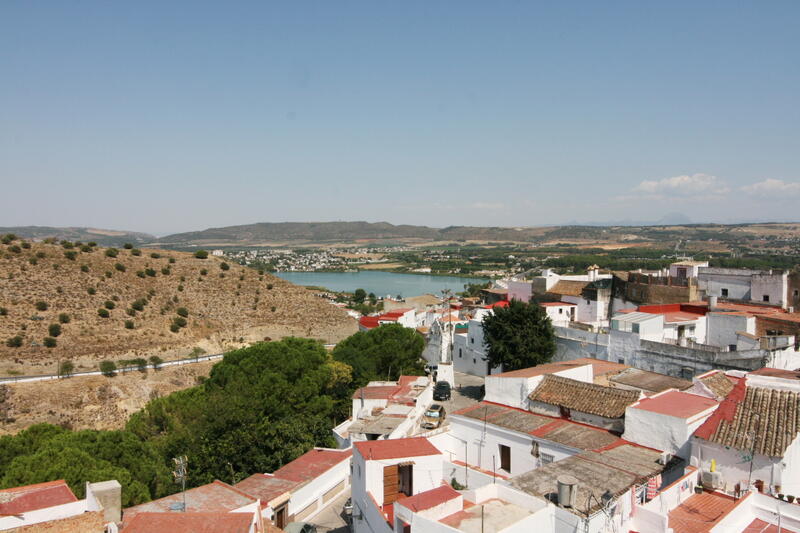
<point x="120" y="267"/>
<point x="33" y="261"/>
<point x="86" y="249"/>
<point x="14" y="248"/>
<point x="222" y="274"/>
<point x="3" y="311"/>
<point x="108" y="368"/>
<point x="54" y="330"/>
<point x="127" y="246"/>
<point x="165" y="271"/>
<point x="129" y="324"/>
<point x="103" y="312"/>
<point x="155" y="361"/>
<point x="130" y="311"/>
<point x="41" y="306"/>
<point x="140" y="273"/>
<point x="179" y="321"/>
<point x="272" y="308"/>
<point x="64" y="318"/>
<point x="201" y="254"/>
<point x="91" y="291"/>
<point x="203" y="271"/>
<point x="84" y="268"/>
<point x="180" y="288"/>
<point x="174" y="328"/>
<point x="71" y="255"/>
<point x="49" y="342"/>
<point x="26" y="245"/>
<point x="260" y="271"/>
<point x="92" y="244"/>
<point x="66" y="368"/>
<point x="172" y="260"/>
<point x="137" y="252"/>
<point x="155" y="255"/>
<point x="60" y="289"/>
<point x="175" y="299"/>
<point x="14" y="342"/>
<point x="139" y="304"/>
<point x="109" y="273"/>
<point x="182" y="311"/>
<point x="109" y="304"/>
<point x="67" y="245"/>
<point x="269" y="286"/>
<point x="41" y="255"/>
<point x="150" y="272"/>
<point x="224" y="266"/>
<point x="112" y="252"/>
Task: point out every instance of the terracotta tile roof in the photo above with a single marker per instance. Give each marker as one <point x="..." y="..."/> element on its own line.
<point x="265" y="487"/>
<point x="565" y="432"/>
<point x="369" y="322"/>
<point x="649" y="381"/>
<point x="32" y="497"/>
<point x="190" y="523"/>
<point x="383" y="392"/>
<point x="677" y="404"/>
<point x="213" y="497"/>
<point x="585" y="397"/>
<point x="429" y="498"/>
<point x="312" y="464"/>
<point x="568" y="288"/>
<point x="718" y="383"/>
<point x="599" y="368"/>
<point x="777" y="373"/>
<point x="396" y="448"/>
<point x="700" y="512"/>
<point x="557" y="304"/>
<point x="771" y="417"/>
<point x="759" y="526"/>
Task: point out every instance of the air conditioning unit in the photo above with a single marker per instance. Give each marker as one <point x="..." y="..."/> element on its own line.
<point x="711" y="480"/>
<point x="665" y="458"/>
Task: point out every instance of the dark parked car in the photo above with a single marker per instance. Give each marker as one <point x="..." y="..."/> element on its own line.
<point x="441" y="391"/>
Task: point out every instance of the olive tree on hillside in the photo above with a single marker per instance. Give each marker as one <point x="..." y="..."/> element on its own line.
<point x="518" y="336"/>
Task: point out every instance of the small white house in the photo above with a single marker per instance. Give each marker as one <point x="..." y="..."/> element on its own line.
<point x="560" y="313"/>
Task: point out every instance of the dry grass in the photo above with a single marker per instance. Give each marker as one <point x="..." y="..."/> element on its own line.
<point x="224" y="312"/>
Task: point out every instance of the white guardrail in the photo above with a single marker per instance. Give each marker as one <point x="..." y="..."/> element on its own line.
<point x="120" y="370"/>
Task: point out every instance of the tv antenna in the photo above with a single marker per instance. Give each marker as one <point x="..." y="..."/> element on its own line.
<point x="180" y="473"/>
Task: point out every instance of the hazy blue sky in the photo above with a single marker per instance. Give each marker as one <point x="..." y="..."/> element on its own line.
<point x="171" y="116"/>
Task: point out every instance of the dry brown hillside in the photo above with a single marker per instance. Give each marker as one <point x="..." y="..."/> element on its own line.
<point x="40" y="282"/>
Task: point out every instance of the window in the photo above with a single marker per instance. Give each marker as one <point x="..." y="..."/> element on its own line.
<point x="765" y="298"/>
<point x="545" y="458"/>
<point x="406" y="479"/>
<point x="505" y="458"/>
<point x="796" y="293"/>
<point x="472" y="340"/>
<point x="560" y="311"/>
<point x="459" y="352"/>
<point x="724" y="292"/>
<point x="731" y="347"/>
<point x="621" y="361"/>
<point x="635" y="327"/>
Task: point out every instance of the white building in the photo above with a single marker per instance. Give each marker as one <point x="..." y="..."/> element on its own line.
<point x="560" y="313"/>
<point x="666" y="421"/>
<point x="754" y="436"/>
<point x="761" y="286"/>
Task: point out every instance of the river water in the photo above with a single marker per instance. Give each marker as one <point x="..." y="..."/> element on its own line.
<point x="380" y="283"/>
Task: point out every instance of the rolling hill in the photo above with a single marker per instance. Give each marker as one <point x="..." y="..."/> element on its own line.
<point x="45" y="288"/>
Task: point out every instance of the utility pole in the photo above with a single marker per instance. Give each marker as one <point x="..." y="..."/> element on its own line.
<point x="180" y="473"/>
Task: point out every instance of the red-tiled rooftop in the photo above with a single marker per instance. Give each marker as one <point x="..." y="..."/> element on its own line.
<point x="759" y="526"/>
<point x="557" y="304"/>
<point x="369" y="322"/>
<point x="265" y="487"/>
<point x="429" y="499"/>
<point x="190" y="523"/>
<point x="382" y="392"/>
<point x="312" y="464"/>
<point x="19" y="500"/>
<point x="396" y="448"/>
<point x="677" y="404"/>
<point x="777" y="373"/>
<point x="213" y="497"/>
<point x="701" y="512"/>
<point x="599" y="368"/>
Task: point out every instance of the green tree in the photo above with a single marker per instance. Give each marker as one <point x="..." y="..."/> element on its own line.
<point x="155" y="361"/>
<point x="359" y="296"/>
<point x="224" y="266"/>
<point x="103" y="313"/>
<point x="112" y="252"/>
<point x="64" y="318"/>
<point x="108" y="368"/>
<point x="14" y="342"/>
<point x="41" y="306"/>
<point x="518" y="336"/>
<point x="54" y="330"/>
<point x="49" y="342"/>
<point x="66" y="368"/>
<point x="201" y="254"/>
<point x="382" y="353"/>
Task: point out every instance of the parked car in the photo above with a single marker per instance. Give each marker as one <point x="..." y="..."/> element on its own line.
<point x="441" y="391"/>
<point x="300" y="527"/>
<point x="433" y="417"/>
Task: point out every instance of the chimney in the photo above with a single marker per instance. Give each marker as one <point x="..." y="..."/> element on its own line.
<point x="712" y="303"/>
<point x="109" y="495"/>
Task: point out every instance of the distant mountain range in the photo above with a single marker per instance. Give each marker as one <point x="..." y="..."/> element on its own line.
<point x="672" y="227"/>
